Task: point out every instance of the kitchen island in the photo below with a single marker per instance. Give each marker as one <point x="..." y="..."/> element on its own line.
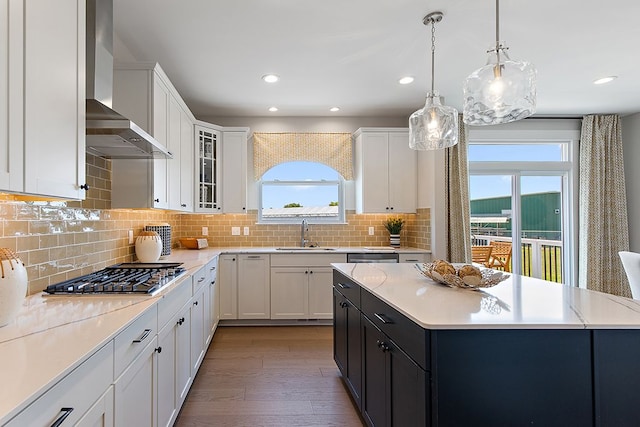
<point x="525" y="352"/>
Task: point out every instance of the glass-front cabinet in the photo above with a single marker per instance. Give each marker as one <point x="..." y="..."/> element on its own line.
<point x="207" y="170"/>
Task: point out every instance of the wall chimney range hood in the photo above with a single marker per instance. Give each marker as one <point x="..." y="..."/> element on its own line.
<point x="110" y="134"/>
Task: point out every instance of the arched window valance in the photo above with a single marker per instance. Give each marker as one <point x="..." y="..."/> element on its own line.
<point x="331" y="149"/>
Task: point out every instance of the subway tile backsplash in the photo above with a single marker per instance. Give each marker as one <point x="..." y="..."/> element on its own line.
<point x="59" y="240"/>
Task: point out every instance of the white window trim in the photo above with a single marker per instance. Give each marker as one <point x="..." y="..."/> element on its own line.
<point x="569" y="169"/>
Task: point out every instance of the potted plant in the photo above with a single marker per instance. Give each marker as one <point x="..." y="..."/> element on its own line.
<point x="394" y="227"/>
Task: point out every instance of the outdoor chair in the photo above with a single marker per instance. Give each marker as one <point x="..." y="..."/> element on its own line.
<point x="500" y="256"/>
<point x="481" y="254"/>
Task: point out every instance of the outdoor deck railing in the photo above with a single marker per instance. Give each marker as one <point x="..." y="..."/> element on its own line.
<point x="540" y="258"/>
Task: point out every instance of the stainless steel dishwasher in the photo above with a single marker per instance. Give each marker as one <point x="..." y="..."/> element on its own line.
<point x="373" y="257"/>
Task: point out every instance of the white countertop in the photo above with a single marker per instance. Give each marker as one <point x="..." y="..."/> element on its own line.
<point x="318" y="249"/>
<point x="517" y="303"/>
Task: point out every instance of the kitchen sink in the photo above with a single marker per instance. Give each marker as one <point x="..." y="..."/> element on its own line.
<point x="298" y="248"/>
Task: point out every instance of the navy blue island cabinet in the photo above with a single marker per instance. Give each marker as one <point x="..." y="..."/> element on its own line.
<point x="401" y="374"/>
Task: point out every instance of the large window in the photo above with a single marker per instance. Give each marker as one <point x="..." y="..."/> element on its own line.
<point x="521" y="193"/>
<point x="292" y="191"/>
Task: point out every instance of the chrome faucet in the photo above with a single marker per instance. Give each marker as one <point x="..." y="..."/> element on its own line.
<point x="304" y="227"/>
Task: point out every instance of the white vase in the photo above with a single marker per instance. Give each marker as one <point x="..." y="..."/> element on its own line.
<point x="148" y="246"/>
<point x="13" y="285"/>
<point x="394" y="240"/>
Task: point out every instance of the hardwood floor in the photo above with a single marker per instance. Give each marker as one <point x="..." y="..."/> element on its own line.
<point x="269" y="376"/>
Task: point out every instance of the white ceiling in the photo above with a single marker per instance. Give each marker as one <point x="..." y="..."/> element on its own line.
<point x="351" y="53"/>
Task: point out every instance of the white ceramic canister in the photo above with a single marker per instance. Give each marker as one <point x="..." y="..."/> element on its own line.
<point x="148" y="246"/>
<point x="13" y="285"/>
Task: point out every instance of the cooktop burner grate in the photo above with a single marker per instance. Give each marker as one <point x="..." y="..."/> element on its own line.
<point x="127" y="278"/>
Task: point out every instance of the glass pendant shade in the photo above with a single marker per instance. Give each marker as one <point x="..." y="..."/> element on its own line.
<point x="434" y="126"/>
<point x="502" y="91"/>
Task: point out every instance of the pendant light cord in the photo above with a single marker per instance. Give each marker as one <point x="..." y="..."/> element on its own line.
<point x="433" y="54"/>
<point x="498" y="47"/>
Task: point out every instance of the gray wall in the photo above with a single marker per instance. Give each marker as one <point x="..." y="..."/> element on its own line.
<point x="631" y="141"/>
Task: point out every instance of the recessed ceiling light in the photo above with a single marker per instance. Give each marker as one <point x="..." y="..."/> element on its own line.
<point x="334" y="109"/>
<point x="273" y="109"/>
<point x="270" y="78"/>
<point x="406" y="80"/>
<point x="604" y="80"/>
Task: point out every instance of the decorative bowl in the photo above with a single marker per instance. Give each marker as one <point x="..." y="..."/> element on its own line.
<point x="489" y="277"/>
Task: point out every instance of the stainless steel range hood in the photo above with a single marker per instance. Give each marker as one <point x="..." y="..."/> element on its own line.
<point x="109" y="134"/>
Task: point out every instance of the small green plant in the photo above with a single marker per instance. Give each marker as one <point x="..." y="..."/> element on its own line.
<point x="293" y="205"/>
<point x="393" y="224"/>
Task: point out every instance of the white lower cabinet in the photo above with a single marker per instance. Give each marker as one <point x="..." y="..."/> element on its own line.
<point x="136" y="398"/>
<point x="213" y="296"/>
<point x="198" y="329"/>
<point x="228" y="277"/>
<point x="101" y="413"/>
<point x="254" y="301"/>
<point x="73" y="396"/>
<point x="174" y="366"/>
<point x="301" y="285"/>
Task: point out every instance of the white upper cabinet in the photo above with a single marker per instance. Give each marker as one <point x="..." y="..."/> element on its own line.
<point x="386" y="171"/>
<point x="144" y="93"/>
<point x="207" y="170"/>
<point x="221" y="169"/>
<point x="234" y="170"/>
<point x="186" y="163"/>
<point x="42" y="97"/>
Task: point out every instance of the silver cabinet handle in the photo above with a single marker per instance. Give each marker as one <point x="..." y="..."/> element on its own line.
<point x="383" y="318"/>
<point x="144" y="336"/>
<point x="343" y="286"/>
<point x="254" y="256"/>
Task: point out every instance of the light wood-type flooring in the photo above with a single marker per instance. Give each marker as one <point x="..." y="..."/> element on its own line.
<point x="269" y="376"/>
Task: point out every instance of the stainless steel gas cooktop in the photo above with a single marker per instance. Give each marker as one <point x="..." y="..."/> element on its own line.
<point x="126" y="278"/>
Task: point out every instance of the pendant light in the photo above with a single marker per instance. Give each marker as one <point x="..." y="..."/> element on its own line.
<point x="502" y="91"/>
<point x="435" y="125"/>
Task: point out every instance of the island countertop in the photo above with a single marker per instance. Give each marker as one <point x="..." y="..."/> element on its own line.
<point x="519" y="302"/>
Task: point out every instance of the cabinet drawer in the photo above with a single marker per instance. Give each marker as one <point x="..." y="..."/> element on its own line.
<point x="199" y="279"/>
<point x="413" y="258"/>
<point x="410" y="337"/>
<point x="133" y="339"/>
<point x="76" y="393"/>
<point x="347" y="287"/>
<point x="173" y="301"/>
<point x="306" y="260"/>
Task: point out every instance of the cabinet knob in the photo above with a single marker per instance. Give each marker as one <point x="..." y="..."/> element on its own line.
<point x="158" y="350"/>
<point x="387" y="207"/>
<point x="184" y="205"/>
<point x="181" y="321"/>
<point x="156" y="200"/>
<point x="310" y="272"/>
<point x="85" y="187"/>
<point x="391" y="207"/>
<point x="195" y="303"/>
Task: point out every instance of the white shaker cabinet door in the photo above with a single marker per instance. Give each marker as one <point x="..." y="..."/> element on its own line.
<point x="54" y="97"/>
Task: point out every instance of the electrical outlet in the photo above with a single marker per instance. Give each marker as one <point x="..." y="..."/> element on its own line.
<point x="205" y="231"/>
<point x="246" y="231"/>
<point x="370" y="231"/>
<point x="235" y="231"/>
<point x="130" y="235"/>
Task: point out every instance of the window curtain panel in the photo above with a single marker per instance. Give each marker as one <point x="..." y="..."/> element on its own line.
<point x="457" y="199"/>
<point x="332" y="149"/>
<point x="604" y="229"/>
